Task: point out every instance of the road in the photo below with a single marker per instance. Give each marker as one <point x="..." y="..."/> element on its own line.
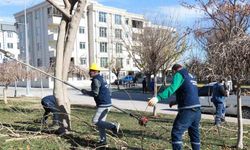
<point x="131" y="101"/>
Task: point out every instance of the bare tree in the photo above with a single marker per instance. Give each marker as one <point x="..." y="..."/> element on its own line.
<point x="153" y="46"/>
<point x="200" y="69"/>
<point x="10" y="72"/>
<point x="224" y="37"/>
<point x="72" y="11"/>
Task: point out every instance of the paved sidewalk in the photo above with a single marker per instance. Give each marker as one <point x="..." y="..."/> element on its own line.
<point x="131" y="101"/>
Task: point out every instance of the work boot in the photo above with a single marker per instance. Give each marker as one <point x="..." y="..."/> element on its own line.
<point x="116" y="129"/>
<point x="217" y="124"/>
<point x="101" y="144"/>
<point x="223" y="119"/>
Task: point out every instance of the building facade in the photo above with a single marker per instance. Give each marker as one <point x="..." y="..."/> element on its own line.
<point x="8" y="40"/>
<point x="99" y="38"/>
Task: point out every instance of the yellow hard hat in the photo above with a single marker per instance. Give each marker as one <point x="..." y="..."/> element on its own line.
<point x="95" y="67"/>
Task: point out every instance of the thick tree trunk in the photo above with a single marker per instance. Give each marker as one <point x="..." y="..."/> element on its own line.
<point x="240" y="125"/>
<point x="59" y="92"/>
<point x="65" y="45"/>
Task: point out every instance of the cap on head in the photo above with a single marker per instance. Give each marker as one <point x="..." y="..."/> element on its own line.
<point x="176" y="67"/>
<point x="94" y="67"/>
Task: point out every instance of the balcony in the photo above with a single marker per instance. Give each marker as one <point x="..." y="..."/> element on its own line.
<point x="54" y="21"/>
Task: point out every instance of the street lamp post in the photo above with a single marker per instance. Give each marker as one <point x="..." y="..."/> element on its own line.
<point x="26" y="49"/>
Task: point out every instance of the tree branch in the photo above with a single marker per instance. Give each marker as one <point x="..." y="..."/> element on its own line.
<point x="63" y="11"/>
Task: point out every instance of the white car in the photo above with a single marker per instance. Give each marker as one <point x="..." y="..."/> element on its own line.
<point x="231" y="102"/>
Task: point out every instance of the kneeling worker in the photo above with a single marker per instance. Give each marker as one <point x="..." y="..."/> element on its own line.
<point x="49" y="105"/>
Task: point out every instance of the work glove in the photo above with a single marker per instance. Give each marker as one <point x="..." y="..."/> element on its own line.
<point x="171" y="103"/>
<point x="85" y="92"/>
<point x="153" y="101"/>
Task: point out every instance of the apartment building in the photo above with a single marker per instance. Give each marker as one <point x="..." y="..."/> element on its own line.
<point x="108" y="28"/>
<point x="99" y="40"/>
<point x="8" y="40"/>
<point x="42" y="25"/>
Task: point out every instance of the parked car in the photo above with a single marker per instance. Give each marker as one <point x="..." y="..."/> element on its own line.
<point x="125" y="80"/>
<point x="205" y="95"/>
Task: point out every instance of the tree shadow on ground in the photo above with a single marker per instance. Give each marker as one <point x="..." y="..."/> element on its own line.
<point x="20" y="109"/>
<point x="223" y="146"/>
<point x="30" y="128"/>
<point x="160" y="120"/>
<point x="142" y="133"/>
<point x="80" y="142"/>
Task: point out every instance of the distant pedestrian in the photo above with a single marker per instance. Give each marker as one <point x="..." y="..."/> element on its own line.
<point x="101" y="94"/>
<point x="144" y="85"/>
<point x="152" y="85"/>
<point x="49" y="105"/>
<point x="218" y="98"/>
<point x="229" y="85"/>
<point x="134" y="81"/>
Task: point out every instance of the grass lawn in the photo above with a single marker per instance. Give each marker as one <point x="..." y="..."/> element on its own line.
<point x="19" y="129"/>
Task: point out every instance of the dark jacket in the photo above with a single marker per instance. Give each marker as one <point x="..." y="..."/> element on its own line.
<point x="49" y="102"/>
<point x="219" y="93"/>
<point x="187" y="93"/>
<point x="100" y="92"/>
<point x="144" y="83"/>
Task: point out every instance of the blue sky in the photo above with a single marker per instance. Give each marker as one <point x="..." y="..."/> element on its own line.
<point x="184" y="16"/>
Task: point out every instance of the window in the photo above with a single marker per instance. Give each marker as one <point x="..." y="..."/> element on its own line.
<point x="137" y="24"/>
<point x="118" y="19"/>
<point x="118" y="33"/>
<point x="56" y="12"/>
<point x="127" y="61"/>
<point x="118" y="48"/>
<point x="103" y="32"/>
<point x="52" y="61"/>
<point x="38" y="46"/>
<point x="10" y="34"/>
<point x="104" y="62"/>
<point x="10" y="45"/>
<point x="135" y="36"/>
<point x="49" y="11"/>
<point x="102" y="17"/>
<point x="103" y="47"/>
<point x="83" y="61"/>
<point x="127" y="21"/>
<point x="81" y="30"/>
<point x="37" y="15"/>
<point x="119" y="62"/>
<point x="82" y="45"/>
<point x="39" y="62"/>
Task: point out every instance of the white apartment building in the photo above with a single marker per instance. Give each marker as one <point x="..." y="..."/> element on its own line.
<point x="42" y="25"/>
<point x="108" y="27"/>
<point x="99" y="38"/>
<point x="8" y="40"/>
